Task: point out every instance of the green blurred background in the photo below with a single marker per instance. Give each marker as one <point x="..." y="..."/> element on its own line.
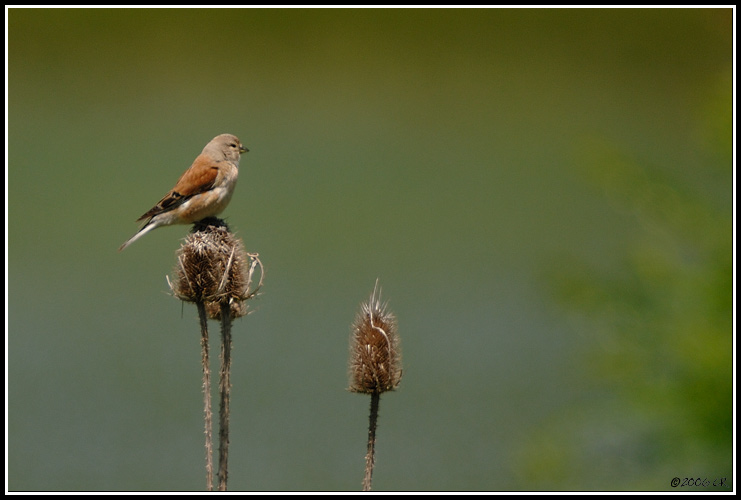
<point x="546" y="197"/>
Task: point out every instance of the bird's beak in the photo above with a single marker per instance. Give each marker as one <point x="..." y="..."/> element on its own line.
<point x="242" y="149"/>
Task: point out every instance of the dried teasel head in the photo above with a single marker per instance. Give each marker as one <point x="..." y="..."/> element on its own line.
<point x="375" y="354"/>
<point x="212" y="267"/>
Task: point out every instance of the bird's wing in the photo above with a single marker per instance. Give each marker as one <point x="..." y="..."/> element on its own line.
<point x="198" y="178"/>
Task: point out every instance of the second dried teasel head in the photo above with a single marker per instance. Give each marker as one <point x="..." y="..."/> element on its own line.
<point x="375" y="354"/>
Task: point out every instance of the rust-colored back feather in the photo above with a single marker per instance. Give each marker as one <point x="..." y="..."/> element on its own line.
<point x="198" y="178"/>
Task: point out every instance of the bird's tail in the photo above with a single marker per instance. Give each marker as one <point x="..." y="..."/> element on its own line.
<point x="148" y="226"/>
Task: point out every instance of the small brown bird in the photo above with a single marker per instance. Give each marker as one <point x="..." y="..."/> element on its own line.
<point x="204" y="190"/>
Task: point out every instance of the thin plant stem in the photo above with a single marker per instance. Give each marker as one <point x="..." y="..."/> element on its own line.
<point x="225" y="389"/>
<point x="206" y="395"/>
<point x="370" y="457"/>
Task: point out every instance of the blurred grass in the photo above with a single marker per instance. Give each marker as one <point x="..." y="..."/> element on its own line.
<point x="658" y="342"/>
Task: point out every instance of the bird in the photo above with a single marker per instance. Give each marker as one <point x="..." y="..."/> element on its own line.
<point x="204" y="190"/>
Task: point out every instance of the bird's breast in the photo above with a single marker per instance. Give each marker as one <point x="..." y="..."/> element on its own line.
<point x="212" y="202"/>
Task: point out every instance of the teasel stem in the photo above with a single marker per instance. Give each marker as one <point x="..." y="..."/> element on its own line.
<point x="224" y="390"/>
<point x="203" y="320"/>
<point x="370" y="457"/>
<point x="375" y="364"/>
<point x="216" y="273"/>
